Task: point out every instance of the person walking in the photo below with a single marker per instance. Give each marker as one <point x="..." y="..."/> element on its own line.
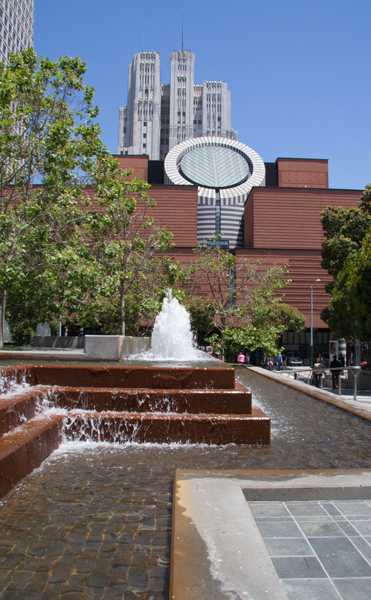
<point x="334" y="369"/>
<point x="318" y="371"/>
<point x="279" y="362"/>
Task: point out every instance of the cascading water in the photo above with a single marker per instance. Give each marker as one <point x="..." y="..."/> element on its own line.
<point x="172" y="336"/>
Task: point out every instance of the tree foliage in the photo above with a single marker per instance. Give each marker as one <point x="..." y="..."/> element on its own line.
<point x="127" y="245"/>
<point x="344" y="229"/>
<point x="346" y="255"/>
<point x="349" y="312"/>
<point x="247" y="302"/>
<point x="202" y="313"/>
<point x="48" y="138"/>
<point x="59" y="254"/>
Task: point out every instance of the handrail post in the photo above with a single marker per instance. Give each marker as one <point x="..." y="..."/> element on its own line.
<point x="355" y="375"/>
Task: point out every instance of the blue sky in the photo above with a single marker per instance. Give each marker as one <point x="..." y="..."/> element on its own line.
<point x="299" y="71"/>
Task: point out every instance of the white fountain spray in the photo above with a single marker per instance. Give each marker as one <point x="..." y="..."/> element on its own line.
<point x="172" y="336"/>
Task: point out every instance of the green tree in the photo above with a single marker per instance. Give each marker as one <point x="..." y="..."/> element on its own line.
<point x="349" y="311"/>
<point x="126" y="242"/>
<point x="48" y="139"/>
<point x="346" y="256"/>
<point x="286" y="318"/>
<point x="202" y="312"/>
<point x="344" y="230"/>
<point x="246" y="299"/>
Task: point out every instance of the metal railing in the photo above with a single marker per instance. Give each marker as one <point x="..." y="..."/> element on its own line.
<point x="309" y="371"/>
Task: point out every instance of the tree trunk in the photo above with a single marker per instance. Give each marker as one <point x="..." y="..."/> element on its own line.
<point x="122" y="309"/>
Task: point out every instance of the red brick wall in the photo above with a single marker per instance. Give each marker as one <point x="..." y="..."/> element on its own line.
<point x="300" y="172"/>
<point x="139" y="164"/>
<point x="176" y="210"/>
<point x="290" y="217"/>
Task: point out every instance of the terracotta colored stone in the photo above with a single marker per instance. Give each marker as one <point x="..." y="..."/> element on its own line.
<point x="18" y="408"/>
<point x="121" y="404"/>
<point x="24" y="449"/>
<point x="236" y="401"/>
<point x="136" y="377"/>
<point x="162" y="428"/>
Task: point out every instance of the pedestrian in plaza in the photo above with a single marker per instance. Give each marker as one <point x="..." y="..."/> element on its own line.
<point x="318" y="371"/>
<point x="334" y="368"/>
<point x="279" y="360"/>
<point x="241" y="357"/>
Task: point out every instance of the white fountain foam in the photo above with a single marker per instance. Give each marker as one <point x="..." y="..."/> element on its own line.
<point x="172" y="338"/>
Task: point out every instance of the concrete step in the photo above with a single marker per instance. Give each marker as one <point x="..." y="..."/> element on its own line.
<point x="220" y="378"/>
<point x="17" y="408"/>
<point x="237" y="401"/>
<point x="166" y="428"/>
<point x="25" y="448"/>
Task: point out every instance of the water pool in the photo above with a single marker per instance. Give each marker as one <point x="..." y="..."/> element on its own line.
<point x="95" y="520"/>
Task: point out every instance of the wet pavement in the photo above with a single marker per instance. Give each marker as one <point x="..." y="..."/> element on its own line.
<point x="91" y="523"/>
<point x="95" y="521"/>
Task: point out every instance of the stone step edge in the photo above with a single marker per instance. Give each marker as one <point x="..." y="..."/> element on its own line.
<point x="16" y="408"/>
<point x="25" y="448"/>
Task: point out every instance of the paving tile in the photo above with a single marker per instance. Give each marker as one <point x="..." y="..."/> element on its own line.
<point x="323" y="529"/>
<point x="287" y="519"/>
<point x="298" y="567"/>
<point x="330" y="508"/>
<point x="20" y="579"/>
<point x="317" y="519"/>
<point x="307" y="509"/>
<point x="364" y="527"/>
<point x="310" y="589"/>
<point x="269" y="509"/>
<point x="288" y="547"/>
<point x="347" y="528"/>
<point x="353" y="508"/>
<point x="363" y="547"/>
<point x="354" y="589"/>
<point x="273" y="530"/>
<point x="340" y="558"/>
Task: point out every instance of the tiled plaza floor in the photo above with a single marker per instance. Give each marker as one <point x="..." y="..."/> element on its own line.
<point x="321" y="550"/>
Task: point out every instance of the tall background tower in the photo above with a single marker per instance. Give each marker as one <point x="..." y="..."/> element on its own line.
<point x="139" y="121"/>
<point x="158" y="117"/>
<point x="16" y="27"/>
<point x="181" y="96"/>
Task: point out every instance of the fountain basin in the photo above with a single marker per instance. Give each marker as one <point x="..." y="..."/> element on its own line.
<point x="195" y="405"/>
